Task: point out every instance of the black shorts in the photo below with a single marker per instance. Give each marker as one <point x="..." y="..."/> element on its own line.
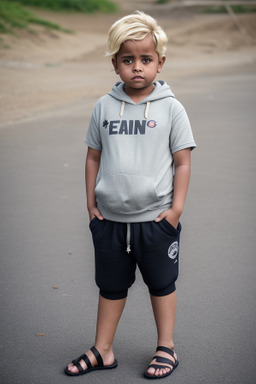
<point x="154" y="247"/>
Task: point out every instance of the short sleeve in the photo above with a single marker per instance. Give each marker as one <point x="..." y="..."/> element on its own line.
<point x="181" y="136"/>
<point x="93" y="137"/>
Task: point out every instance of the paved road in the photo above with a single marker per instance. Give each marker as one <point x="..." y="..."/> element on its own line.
<point x="46" y="253"/>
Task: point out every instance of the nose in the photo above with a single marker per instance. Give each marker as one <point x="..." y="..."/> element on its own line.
<point x="136" y="66"/>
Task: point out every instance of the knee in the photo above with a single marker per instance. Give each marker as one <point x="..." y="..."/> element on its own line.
<point x="164" y="291"/>
<point x="114" y="295"/>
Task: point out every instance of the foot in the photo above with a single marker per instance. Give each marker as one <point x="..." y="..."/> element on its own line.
<point x="166" y="368"/>
<point x="107" y="357"/>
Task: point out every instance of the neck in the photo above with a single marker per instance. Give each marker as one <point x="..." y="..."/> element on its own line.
<point x="138" y="95"/>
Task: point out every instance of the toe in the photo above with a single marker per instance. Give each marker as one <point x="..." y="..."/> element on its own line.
<point x="151" y="371"/>
<point x="166" y="370"/>
<point x="72" y="368"/>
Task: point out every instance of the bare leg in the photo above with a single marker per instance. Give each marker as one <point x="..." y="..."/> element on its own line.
<point x="109" y="313"/>
<point x="164" y="308"/>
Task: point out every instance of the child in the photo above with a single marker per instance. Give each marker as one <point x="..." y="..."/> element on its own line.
<point x="138" y="137"/>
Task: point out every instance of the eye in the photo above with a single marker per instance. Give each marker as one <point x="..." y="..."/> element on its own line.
<point x="127" y="61"/>
<point x="147" y="60"/>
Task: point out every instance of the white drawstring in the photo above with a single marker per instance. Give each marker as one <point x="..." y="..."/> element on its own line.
<point x="122" y="109"/>
<point x="147" y="109"/>
<point x="128" y="238"/>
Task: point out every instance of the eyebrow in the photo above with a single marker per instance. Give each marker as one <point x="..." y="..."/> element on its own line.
<point x="131" y="56"/>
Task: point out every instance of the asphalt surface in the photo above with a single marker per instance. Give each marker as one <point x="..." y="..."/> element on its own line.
<point x="48" y="295"/>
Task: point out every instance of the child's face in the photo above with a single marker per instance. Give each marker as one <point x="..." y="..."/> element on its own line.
<point x="137" y="63"/>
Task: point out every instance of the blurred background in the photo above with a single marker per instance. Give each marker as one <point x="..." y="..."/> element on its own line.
<point x="52" y="71"/>
<point x="52" y="51"/>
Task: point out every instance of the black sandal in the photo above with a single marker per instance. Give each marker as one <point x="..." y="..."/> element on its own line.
<point x="90" y="368"/>
<point x="160" y="359"/>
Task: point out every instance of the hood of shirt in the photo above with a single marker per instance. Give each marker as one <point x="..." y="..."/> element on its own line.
<point x="161" y="91"/>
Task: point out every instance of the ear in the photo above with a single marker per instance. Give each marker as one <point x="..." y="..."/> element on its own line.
<point x="114" y="62"/>
<point x="160" y="64"/>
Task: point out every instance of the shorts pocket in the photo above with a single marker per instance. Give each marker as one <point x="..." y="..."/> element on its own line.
<point x="171" y="227"/>
<point x="97" y="227"/>
<point x="92" y="222"/>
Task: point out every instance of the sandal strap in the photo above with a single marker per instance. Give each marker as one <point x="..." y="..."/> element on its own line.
<point x="76" y="362"/>
<point x="165" y="349"/>
<point x="98" y="356"/>
<point x="156" y="366"/>
<point x="160" y="359"/>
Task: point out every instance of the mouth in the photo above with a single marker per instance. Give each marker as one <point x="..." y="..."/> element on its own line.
<point x="138" y="78"/>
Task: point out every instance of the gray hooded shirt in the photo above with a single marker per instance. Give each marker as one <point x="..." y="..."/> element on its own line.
<point x="137" y="142"/>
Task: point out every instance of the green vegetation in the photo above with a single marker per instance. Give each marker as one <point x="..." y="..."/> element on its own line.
<point x="72" y="5"/>
<point x="162" y="1"/>
<point x="236" y="9"/>
<point x="13" y="15"/>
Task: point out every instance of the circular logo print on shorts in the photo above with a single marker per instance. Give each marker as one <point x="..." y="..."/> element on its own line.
<point x="151" y="123"/>
<point x="173" y="250"/>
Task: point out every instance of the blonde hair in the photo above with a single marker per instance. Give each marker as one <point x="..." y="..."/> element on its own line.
<point x="136" y="27"/>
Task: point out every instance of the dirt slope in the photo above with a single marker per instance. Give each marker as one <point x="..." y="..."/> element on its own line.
<point x="46" y="70"/>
